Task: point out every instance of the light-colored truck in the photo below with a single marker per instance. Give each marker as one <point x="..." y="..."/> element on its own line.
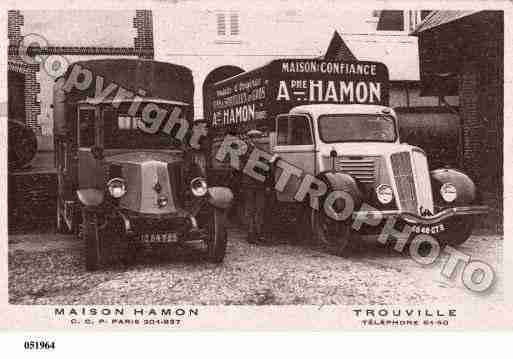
<point x="331" y="120"/>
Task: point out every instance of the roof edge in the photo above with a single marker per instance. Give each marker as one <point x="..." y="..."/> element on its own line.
<point x="428" y="23"/>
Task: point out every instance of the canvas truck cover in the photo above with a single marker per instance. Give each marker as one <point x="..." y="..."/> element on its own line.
<point x="252" y="99"/>
<point x="146" y="78"/>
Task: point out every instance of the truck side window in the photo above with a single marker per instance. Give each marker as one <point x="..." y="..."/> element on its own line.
<point x="86" y="122"/>
<point x="299" y="131"/>
<point x="282" y="135"/>
<point x="293" y="131"/>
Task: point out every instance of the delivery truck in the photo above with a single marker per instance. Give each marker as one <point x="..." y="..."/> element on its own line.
<point x="123" y="186"/>
<point x="324" y="127"/>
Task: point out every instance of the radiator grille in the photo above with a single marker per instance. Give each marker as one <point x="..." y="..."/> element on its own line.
<point x="422" y="181"/>
<point x="403" y="175"/>
<point x="361" y="168"/>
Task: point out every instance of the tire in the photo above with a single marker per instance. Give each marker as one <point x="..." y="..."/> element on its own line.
<point x="116" y="245"/>
<point x="217" y="236"/>
<point x="90" y="235"/>
<point x="337" y="236"/>
<point x="459" y="233"/>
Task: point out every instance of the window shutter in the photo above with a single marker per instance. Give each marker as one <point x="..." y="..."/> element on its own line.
<point x="221" y="24"/>
<point x="234" y="24"/>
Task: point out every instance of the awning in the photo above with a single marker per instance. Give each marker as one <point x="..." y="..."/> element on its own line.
<point x="437" y="18"/>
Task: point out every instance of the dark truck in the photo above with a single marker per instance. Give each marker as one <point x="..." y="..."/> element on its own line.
<point x="124" y="181"/>
<point x="331" y="120"/>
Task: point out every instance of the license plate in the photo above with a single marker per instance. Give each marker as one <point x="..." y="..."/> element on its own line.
<point x="434" y="229"/>
<point x="159" y="237"/>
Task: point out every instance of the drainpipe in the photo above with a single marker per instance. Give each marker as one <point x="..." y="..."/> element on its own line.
<point x="443" y="101"/>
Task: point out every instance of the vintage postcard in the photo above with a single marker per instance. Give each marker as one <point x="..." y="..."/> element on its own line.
<point x="265" y="165"/>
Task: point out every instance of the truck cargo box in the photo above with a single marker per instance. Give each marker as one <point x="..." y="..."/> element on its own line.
<point x="252" y="99"/>
<point x="146" y="78"/>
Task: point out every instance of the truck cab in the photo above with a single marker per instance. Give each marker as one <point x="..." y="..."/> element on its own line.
<point x="391" y="179"/>
<point x="354" y="139"/>
<point x="308" y="134"/>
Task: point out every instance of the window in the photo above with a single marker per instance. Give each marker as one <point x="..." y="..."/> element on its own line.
<point x="125" y="122"/>
<point x="293" y="131"/>
<point x="399" y="20"/>
<point x="290" y="16"/>
<point x="123" y="131"/>
<point x="354" y="128"/>
<point x="283" y="125"/>
<point x="86" y="130"/>
<point x="391" y="20"/>
<point x="234" y="24"/>
<point x="221" y="24"/>
<point x="228" y="25"/>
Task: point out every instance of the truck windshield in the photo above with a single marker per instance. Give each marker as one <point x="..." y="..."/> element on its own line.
<point x="122" y="131"/>
<point x="357" y="127"/>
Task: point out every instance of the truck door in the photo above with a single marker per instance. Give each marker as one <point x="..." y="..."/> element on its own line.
<point x="295" y="145"/>
<point x="89" y="135"/>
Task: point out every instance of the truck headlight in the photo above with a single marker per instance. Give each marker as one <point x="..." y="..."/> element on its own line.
<point x="162" y="201"/>
<point x="385" y="193"/>
<point x="199" y="187"/>
<point x="117" y="187"/>
<point x="448" y="192"/>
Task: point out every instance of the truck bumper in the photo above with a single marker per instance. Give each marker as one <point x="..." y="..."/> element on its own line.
<point x="445" y="224"/>
<point x="451" y="226"/>
<point x="181" y="226"/>
<point x="414" y="219"/>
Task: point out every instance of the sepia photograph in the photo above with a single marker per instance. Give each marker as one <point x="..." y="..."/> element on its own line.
<point x="193" y="155"/>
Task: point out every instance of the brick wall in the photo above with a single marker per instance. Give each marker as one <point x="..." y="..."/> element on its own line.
<point x="481" y="102"/>
<point x="469" y="111"/>
<point x="143" y="47"/>
<point x="32" y="104"/>
<point x="32" y="88"/>
<point x="31" y="199"/>
<point x="14" y="23"/>
<point x="143" y="42"/>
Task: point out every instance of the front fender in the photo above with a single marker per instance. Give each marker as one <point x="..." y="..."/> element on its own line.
<point x="465" y="187"/>
<point x="338" y="181"/>
<point x="220" y="197"/>
<point x="90" y="197"/>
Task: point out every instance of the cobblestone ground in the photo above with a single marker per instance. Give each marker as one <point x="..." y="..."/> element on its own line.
<point x="49" y="269"/>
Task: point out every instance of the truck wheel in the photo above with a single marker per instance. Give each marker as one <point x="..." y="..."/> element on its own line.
<point x="90" y="235"/>
<point x="337" y="236"/>
<point x="217" y="236"/>
<point x="460" y="231"/>
<point x="116" y="244"/>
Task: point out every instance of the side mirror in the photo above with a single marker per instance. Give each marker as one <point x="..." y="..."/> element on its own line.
<point x="333" y="157"/>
